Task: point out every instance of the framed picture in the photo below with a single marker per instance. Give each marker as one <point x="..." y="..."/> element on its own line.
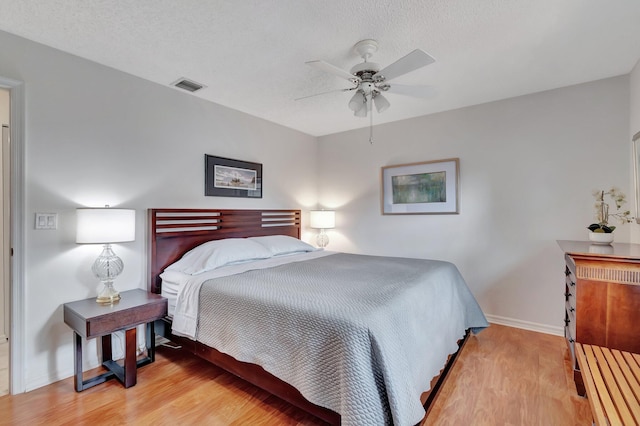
<point x="225" y="177"/>
<point x="430" y="187"/>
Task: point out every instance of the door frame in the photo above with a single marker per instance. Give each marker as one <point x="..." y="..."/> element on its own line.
<point x="17" y="236"/>
<point x="5" y="222"/>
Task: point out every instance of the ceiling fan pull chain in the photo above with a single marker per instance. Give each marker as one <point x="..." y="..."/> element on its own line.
<point x="371" y="127"/>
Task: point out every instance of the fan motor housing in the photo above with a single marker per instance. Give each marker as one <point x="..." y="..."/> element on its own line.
<point x="365" y="68"/>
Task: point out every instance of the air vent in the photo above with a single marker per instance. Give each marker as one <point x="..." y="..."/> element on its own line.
<point x="188" y="85"/>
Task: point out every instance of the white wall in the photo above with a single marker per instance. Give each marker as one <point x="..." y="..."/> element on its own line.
<point x="634" y="127"/>
<point x="528" y="166"/>
<point x="97" y="136"/>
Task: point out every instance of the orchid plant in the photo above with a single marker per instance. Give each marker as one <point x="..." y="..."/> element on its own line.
<point x="603" y="213"/>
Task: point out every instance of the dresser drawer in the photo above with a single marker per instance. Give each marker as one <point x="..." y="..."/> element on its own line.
<point x="570" y="335"/>
<point x="570" y="274"/>
<point x="570" y="310"/>
<point x="570" y="302"/>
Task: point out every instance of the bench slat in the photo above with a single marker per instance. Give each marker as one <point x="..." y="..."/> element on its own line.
<point x="592" y="393"/>
<point x="628" y="405"/>
<point x="634" y="363"/>
<point x="602" y="390"/>
<point x="632" y="380"/>
<point x="612" y="382"/>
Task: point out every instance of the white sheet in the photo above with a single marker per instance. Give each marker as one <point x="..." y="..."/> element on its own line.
<point x="170" y="291"/>
<point x="185" y="289"/>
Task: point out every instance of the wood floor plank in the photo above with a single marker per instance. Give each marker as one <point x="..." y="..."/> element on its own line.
<point x="503" y="376"/>
<point x="496" y="358"/>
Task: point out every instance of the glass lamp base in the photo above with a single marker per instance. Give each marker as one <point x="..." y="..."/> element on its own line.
<point x="108" y="295"/>
<point x="107" y="267"/>
<point x="322" y="239"/>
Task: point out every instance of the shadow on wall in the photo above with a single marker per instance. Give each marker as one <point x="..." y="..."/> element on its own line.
<point x="523" y="278"/>
<point x="53" y="336"/>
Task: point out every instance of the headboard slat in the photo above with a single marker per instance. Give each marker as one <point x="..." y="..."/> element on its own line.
<point x="173" y="232"/>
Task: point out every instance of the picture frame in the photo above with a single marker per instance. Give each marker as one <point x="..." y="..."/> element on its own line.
<point x="226" y="177"/>
<point x="429" y="187"/>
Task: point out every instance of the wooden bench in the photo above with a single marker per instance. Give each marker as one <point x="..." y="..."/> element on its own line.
<point x="612" y="380"/>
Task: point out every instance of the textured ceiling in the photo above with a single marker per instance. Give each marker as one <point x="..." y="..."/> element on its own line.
<point x="251" y="54"/>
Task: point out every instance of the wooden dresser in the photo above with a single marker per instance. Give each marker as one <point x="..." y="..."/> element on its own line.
<point x="602" y="295"/>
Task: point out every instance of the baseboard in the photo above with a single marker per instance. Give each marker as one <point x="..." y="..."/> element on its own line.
<point x="525" y="325"/>
<point x="45" y="379"/>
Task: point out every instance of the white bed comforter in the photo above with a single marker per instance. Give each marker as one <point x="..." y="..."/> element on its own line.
<point x="361" y="335"/>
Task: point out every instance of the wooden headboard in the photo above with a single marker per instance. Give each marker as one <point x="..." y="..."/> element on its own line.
<point x="173" y="232"/>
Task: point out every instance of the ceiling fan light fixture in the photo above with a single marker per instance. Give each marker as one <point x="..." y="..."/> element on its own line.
<point x="357" y="101"/>
<point x="362" y="112"/>
<point x="365" y="106"/>
<point x="382" y="104"/>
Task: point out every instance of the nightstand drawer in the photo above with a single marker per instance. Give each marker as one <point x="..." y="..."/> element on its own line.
<point x="91" y="319"/>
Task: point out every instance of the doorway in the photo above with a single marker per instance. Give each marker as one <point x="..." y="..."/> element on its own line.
<point x="5" y="247"/>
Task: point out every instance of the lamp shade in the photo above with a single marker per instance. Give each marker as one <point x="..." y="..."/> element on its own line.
<point x="322" y="219"/>
<point x="105" y="225"/>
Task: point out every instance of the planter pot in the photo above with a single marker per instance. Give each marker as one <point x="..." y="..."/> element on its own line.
<point x="600" y="248"/>
<point x="602" y="238"/>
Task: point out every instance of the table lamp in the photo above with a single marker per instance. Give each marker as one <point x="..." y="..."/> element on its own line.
<point x="106" y="226"/>
<point x="322" y="219"/>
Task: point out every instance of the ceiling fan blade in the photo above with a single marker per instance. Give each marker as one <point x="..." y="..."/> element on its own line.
<point x="414" y="91"/>
<point x="412" y="61"/>
<point x="324" y="93"/>
<point x="332" y="69"/>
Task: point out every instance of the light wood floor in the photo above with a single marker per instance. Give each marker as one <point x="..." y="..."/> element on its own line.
<point x="504" y="376"/>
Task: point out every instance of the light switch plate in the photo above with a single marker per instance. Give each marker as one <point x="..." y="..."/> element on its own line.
<point x="46" y="220"/>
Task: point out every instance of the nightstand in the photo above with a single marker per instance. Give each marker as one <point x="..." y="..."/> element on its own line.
<point x="89" y="320"/>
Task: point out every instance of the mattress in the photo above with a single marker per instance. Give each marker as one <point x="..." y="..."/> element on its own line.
<point x="170" y="291"/>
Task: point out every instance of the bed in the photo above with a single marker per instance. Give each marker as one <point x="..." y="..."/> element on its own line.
<point x="348" y="345"/>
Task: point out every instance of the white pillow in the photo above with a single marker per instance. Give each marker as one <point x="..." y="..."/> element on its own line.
<point x="218" y="253"/>
<point x="283" y="244"/>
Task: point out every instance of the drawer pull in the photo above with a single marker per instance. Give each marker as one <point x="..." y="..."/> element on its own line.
<point x="572" y="309"/>
<point x="567" y="321"/>
<point x="567" y="272"/>
<point x="567" y="295"/>
<point x="571" y="283"/>
<point x="571" y="341"/>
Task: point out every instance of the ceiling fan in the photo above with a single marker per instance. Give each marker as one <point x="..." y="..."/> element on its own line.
<point x="369" y="81"/>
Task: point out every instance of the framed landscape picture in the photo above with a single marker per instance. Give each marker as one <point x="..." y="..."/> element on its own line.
<point x="226" y="177"/>
<point x="430" y="187"/>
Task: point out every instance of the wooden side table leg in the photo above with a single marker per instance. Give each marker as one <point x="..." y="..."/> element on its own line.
<point x="151" y="341"/>
<point x="77" y="362"/>
<point x="130" y="365"/>
<point x="106" y="348"/>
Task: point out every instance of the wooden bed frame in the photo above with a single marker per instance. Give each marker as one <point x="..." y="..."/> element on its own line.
<point x="172" y="232"/>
